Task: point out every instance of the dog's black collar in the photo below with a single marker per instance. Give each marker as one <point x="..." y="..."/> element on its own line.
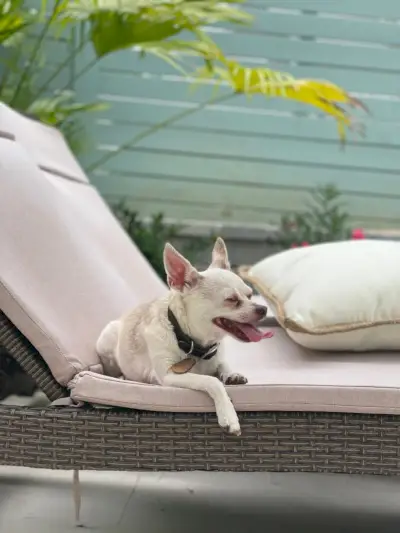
<point x="187" y="344"/>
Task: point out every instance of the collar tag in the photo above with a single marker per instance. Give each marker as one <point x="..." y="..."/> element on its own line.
<point x="183" y="366"/>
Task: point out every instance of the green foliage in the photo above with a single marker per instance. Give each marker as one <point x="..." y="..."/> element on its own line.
<point x="59" y="107"/>
<point x="169" y="29"/>
<point x="13" y="19"/>
<point x="28" y="85"/>
<point x="118" y="24"/>
<point x="26" y="77"/>
<point x="151" y="237"/>
<point x="324" y="220"/>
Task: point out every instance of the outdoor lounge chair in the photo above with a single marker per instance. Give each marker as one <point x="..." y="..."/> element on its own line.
<point x="67" y="267"/>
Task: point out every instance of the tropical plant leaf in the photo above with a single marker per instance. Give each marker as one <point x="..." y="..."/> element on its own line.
<point x="13" y="19"/>
<point x="113" y="31"/>
<point x="176" y="52"/>
<point x="118" y="24"/>
<point x="157" y="27"/>
<point x="324" y="95"/>
<point x="55" y="109"/>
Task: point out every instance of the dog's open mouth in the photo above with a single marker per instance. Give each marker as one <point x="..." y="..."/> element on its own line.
<point x="244" y="332"/>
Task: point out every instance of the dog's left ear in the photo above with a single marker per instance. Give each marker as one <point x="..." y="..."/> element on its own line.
<point x="220" y="255"/>
<point x="180" y="272"/>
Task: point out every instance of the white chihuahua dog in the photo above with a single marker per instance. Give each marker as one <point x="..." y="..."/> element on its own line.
<point x="176" y="340"/>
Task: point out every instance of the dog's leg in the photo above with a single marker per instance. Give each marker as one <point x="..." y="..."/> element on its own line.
<point x="226" y="414"/>
<point x="228" y="377"/>
<point x="108" y="338"/>
<point x="106" y="345"/>
<point x="162" y="359"/>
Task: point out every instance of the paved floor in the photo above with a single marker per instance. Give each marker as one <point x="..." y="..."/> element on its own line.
<point x="41" y="502"/>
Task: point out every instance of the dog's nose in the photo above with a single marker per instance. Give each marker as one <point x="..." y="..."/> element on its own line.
<point x="261" y="310"/>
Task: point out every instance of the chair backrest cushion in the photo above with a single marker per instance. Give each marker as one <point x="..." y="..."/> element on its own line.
<point x="45" y="145"/>
<point x="67" y="267"/>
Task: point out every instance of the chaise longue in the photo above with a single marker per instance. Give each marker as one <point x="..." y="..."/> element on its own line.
<point x="67" y="268"/>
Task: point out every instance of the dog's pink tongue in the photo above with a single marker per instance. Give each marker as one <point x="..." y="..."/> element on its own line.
<point x="253" y="333"/>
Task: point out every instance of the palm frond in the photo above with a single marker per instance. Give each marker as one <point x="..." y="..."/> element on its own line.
<point x="321" y="94"/>
<point x="177" y="51"/>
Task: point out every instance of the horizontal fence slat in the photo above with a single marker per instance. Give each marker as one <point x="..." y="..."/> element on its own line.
<point x="230" y="201"/>
<point x="271" y="47"/>
<point x="236" y="146"/>
<point x="252" y="160"/>
<point x="389" y="9"/>
<point x="185" y="213"/>
<point x="221" y="120"/>
<point x="179" y="90"/>
<point x="290" y="49"/>
<point x="328" y="27"/>
<point x="255" y="174"/>
<point x="354" y="81"/>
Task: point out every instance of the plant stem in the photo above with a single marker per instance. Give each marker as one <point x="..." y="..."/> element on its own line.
<point x="84" y="40"/>
<point x="13" y="61"/>
<point x="86" y="68"/>
<point x="74" y="50"/>
<point x="60" y="67"/>
<point x="157" y="127"/>
<point x="36" y="49"/>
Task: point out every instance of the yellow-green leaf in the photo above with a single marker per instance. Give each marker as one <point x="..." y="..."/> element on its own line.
<point x="321" y="94"/>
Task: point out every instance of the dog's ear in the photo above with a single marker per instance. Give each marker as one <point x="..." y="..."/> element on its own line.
<point x="220" y="255"/>
<point x="180" y="272"/>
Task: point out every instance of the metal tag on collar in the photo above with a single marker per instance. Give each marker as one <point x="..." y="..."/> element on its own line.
<point x="191" y="348"/>
<point x="211" y="352"/>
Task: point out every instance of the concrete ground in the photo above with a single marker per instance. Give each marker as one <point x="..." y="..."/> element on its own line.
<point x="41" y="502"/>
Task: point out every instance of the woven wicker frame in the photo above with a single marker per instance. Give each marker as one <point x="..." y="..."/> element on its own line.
<point x="121" y="439"/>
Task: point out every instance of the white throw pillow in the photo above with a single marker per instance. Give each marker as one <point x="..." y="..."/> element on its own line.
<point x="335" y="296"/>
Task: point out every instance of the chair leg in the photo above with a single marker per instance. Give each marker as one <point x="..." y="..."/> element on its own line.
<point x="77" y="495"/>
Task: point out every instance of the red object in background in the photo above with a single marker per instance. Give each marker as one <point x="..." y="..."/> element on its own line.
<point x="358" y="233"/>
<point x="304" y="243"/>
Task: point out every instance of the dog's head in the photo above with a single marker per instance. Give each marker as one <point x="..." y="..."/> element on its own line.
<point x="216" y="302"/>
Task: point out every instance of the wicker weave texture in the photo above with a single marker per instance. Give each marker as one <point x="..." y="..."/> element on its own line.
<point x="83" y="438"/>
<point x="28" y="358"/>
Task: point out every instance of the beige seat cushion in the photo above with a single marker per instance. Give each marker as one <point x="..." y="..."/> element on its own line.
<point x="67" y="267"/>
<point x="283" y="376"/>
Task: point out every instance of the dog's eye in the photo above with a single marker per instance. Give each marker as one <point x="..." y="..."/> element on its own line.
<point x="233" y="301"/>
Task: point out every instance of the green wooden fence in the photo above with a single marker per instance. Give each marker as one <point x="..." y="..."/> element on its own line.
<point x="247" y="162"/>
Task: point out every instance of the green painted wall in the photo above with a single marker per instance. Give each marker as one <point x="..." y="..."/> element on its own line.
<point x="249" y="161"/>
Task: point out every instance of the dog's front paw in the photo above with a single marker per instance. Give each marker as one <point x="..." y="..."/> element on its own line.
<point x="229" y="421"/>
<point x="231" y="426"/>
<point x="234" y="379"/>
